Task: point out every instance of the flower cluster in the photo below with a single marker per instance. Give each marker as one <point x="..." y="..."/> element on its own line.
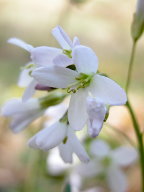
<point x="69" y="71"/>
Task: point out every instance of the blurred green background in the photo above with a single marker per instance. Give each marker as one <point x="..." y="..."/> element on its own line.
<point x="103" y="25"/>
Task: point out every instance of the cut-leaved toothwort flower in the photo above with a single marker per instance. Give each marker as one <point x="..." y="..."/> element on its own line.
<point x="109" y="162"/>
<point x="62" y="135"/>
<point x="81" y="83"/>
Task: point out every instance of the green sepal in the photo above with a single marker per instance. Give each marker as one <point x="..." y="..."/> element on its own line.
<point x="54" y="98"/>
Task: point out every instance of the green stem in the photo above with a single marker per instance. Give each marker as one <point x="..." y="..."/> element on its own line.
<point x="139" y="139"/>
<point x="130" y="66"/>
<point x="133" y="117"/>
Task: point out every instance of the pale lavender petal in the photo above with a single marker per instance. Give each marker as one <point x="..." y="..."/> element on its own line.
<point x="58" y="77"/>
<point x="85" y="59"/>
<point x="107" y="91"/>
<point x="43" y="56"/>
<point x="63" y="39"/>
<point x="20" y="43"/>
<point x="125" y="155"/>
<point x="116" y="179"/>
<point x="76" y="41"/>
<point x="49" y="137"/>
<point x="30" y="90"/>
<point x="62" y="60"/>
<point x="77" y="112"/>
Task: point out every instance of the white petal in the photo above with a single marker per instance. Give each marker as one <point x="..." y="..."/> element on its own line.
<point x="56" y="76"/>
<point x="100" y="148"/>
<point x="66" y="152"/>
<point x="43" y="56"/>
<point x="24" y="78"/>
<point x="124" y="155"/>
<point x="49" y="137"/>
<point x="96" y="115"/>
<point x="20" y="43"/>
<point x="63" y="39"/>
<point x="76" y="41"/>
<point x="116" y="179"/>
<point x="91" y="169"/>
<point x="20" y="122"/>
<point x="62" y="60"/>
<point x="85" y="59"/>
<point x="77" y="113"/>
<point x="30" y="90"/>
<point x="107" y="91"/>
<point x="16" y="106"/>
<point x="76" y="146"/>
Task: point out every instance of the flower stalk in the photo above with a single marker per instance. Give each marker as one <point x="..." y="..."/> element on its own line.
<point x="139" y="139"/>
<point x="133" y="117"/>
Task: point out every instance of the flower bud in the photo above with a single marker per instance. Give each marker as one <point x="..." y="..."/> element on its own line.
<point x="138" y="21"/>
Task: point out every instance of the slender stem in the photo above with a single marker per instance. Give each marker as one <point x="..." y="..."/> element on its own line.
<point x="130" y="66"/>
<point x="140" y="140"/>
<point x="133" y="117"/>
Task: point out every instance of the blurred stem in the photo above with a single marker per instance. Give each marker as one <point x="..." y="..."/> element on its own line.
<point x="139" y="139"/>
<point x="122" y="133"/>
<point x="130" y="66"/>
<point x="133" y="117"/>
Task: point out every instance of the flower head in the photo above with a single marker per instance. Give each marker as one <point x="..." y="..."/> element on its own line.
<point x="59" y="134"/>
<point x="81" y="83"/>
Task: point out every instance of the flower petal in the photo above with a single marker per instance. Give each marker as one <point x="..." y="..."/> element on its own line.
<point x="16" y="106"/>
<point x="66" y="153"/>
<point x="30" y="90"/>
<point x="76" y="146"/>
<point x="91" y="169"/>
<point x="77" y="113"/>
<point x="116" y="179"/>
<point x="24" y="78"/>
<point x="63" y="39"/>
<point x="20" y="43"/>
<point x="43" y="56"/>
<point x="20" y="122"/>
<point x="99" y="148"/>
<point x="56" y="76"/>
<point x="124" y="155"/>
<point x="76" y="41"/>
<point x="62" y="60"/>
<point x="107" y="91"/>
<point x="85" y="59"/>
<point x="49" y="137"/>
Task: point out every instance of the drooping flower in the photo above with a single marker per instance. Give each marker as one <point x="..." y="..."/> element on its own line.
<point x="81" y="83"/>
<point x="109" y="163"/>
<point x="59" y="134"/>
<point x="22" y="114"/>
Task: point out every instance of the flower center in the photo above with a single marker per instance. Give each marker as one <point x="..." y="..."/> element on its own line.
<point x="106" y="161"/>
<point x="82" y="81"/>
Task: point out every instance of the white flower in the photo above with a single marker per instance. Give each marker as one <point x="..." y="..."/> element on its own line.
<point x="67" y="45"/>
<point x="110" y="163"/>
<point x="81" y="83"/>
<point x="59" y="134"/>
<point x="44" y="56"/>
<point x="22" y="114"/>
<point x="96" y="114"/>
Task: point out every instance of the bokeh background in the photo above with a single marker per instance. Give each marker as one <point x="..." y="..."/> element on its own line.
<point x="103" y="25"/>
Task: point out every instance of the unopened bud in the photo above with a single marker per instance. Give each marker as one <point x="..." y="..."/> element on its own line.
<point x="137" y="27"/>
